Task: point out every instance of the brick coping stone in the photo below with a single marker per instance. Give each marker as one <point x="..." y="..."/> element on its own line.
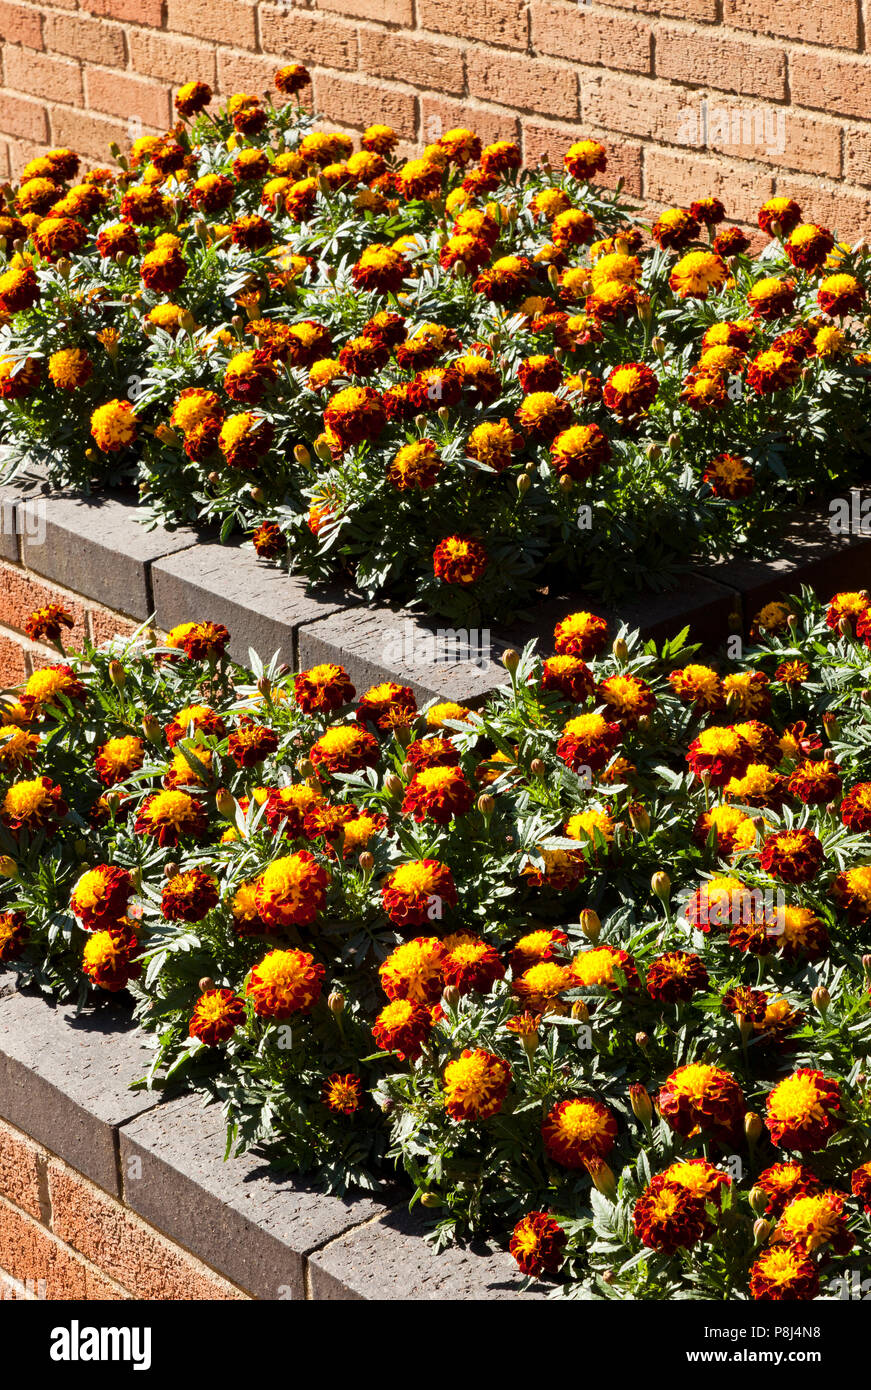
<point x="64" y="1083"/>
<point x="99" y="550"/>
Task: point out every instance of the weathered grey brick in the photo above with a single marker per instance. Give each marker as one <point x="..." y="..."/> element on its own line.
<point x="389" y="1260"/>
<point x="64" y="1079"/>
<point x="252" y="1224"/>
<point x="96" y="547"/>
<point x="261" y="606"/>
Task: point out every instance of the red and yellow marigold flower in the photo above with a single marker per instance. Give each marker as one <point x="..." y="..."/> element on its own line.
<point x="14" y="934"/>
<point x="403" y="1027"/>
<point x="588" y="740"/>
<point x="568" y="675"/>
<point x="414" y="970"/>
<point x="381" y="269"/>
<point x="702" y="1098"/>
<point x="585" y="158"/>
<point x="33" y="805"/>
<point x="668" y="1217"/>
<point x="717" y="754"/>
<point x="674" y="228"/>
<point x="216" y="1016"/>
<point x="630" y="389"/>
<point x="598" y="967"/>
<point x="414" y="467"/>
<point x="49" y="685"/>
<point x="250" y="744"/>
<point x="345" y="748"/>
<point x="541" y="985"/>
<point x="580" y="634"/>
<point x="808" y="246"/>
<point x="387" y="705"/>
<point x="470" y="963"/>
<point x="18" y="749"/>
<point x="784" y="1272"/>
<point x="771" y="298"/>
<point x="860" y="1184"/>
<point x="538" y="1244"/>
<point x="697" y="273"/>
<point x="783" y="1182"/>
<point x="18" y="377"/>
<point x="171" y="816"/>
<point x="323" y="689"/>
<point x="851" y="890"/>
<point x="19" y="287"/>
<point x="202" y="718"/>
<point x="189" y="896"/>
<point x="291" y="891"/>
<point x="101" y="896"/>
<point x="577" y="1130"/>
<point x="815" y="1221"/>
<point x="784" y="213"/>
<point x="699" y="686"/>
<point x="729" y="476"/>
<point x="417" y="892"/>
<point x="107" y="959"/>
<point x="580" y="451"/>
<point x="439" y="794"/>
<point x="793" y="856"/>
<point x="343" y="1093"/>
<point x="733" y="829"/>
<point x="285" y="983"/>
<point x="626" y="698"/>
<point x="70" y="368"/>
<point x="354" y="415"/>
<point x="476" y="1084"/>
<point x="459" y="560"/>
<point x="856" y="808"/>
<point x="118" y="758"/>
<point x="113" y="426"/>
<point x="802" y="1111"/>
<point x="676" y="975"/>
<point x="192" y="98"/>
<point x="840" y="295"/>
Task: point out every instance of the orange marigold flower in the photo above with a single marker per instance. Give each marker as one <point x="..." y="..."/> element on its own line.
<point x="673" y="228"/>
<point x="793" y="856"/>
<point x="292" y="78"/>
<point x="538" y="1244"/>
<point x="414" y="970"/>
<point x="470" y="964"/>
<point x="381" y="268"/>
<point x="201" y="718"/>
<point x="387" y="705"/>
<point x="570" y="676"/>
<point x="773" y="370"/>
<point x="576" y="1130"/>
<point x="285" y="983"/>
<point x="579" y="451"/>
<point x="19" y="287"/>
<point x="323" y="689"/>
<point x="585" y="158"/>
<point x="802" y="1111"/>
<point x="117" y="758"/>
<point x="216" y="1016"/>
<point x="814" y="1221"/>
<point x="596" y="967"/>
<point x="113" y="426"/>
<point x="192" y="97"/>
<point x="33" y="805"/>
<point x="199" y="641"/>
<point x="439" y="794"/>
<point x="771" y="298"/>
<point x="107" y="959"/>
<point x="538" y="945"/>
<point x="699" y="686"/>
<point x="70" y="368"/>
<point x="580" y="634"/>
<point x="403" y="1027"/>
<point x="729" y="476"/>
<point x="839" y="295"/>
<point x="476" y="1084"/>
<point x="48" y="622"/>
<point x="676" y="975"/>
<point x="808" y="245"/>
<point x="668" y="1217"/>
<point x="846" y="608"/>
<point x="18" y="377"/>
<point x="354" y="415"/>
<point x="251" y="743"/>
<point x="459" y="560"/>
<point x="856" y="808"/>
<point x="851" y="890"/>
<point x="14" y="934"/>
<point x="702" y="1098"/>
<point x="717" y="754"/>
<point x="783" y="1182"/>
<point x="626" y="698"/>
<point x="785" y="212"/>
<point x="697" y="273"/>
<point x="629" y="389"/>
<point x="343" y="1093"/>
<point x="783" y="1272"/>
<point x="18" y="748"/>
<point x="101" y="896"/>
<point x="416" y="892"/>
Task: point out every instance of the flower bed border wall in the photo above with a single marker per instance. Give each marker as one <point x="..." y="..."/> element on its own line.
<point x="95" y="553"/>
<point x="108" y="1193"/>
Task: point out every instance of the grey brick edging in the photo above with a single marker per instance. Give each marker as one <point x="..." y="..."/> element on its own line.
<point x="99" y="549"/>
<point x="64" y="1082"/>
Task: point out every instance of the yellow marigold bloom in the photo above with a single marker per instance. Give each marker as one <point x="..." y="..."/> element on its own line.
<point x="171" y="318"/>
<point x="596" y="966"/>
<point x="772" y="618"/>
<point x="587" y="825"/>
<point x="45" y="685"/>
<point x="380" y="138"/>
<point x="697" y="273"/>
<point x="70" y="368"/>
<point x="437" y="715"/>
<point x="17" y="747"/>
<point x="616" y="266"/>
<point x="113" y="425"/>
<point x="33" y="804"/>
<point x="721" y="359"/>
<point x="815" y="1221"/>
<point x="548" y="202"/>
<point x="829" y="342"/>
<point x="541" y="985"/>
<point x="292" y="890"/>
<point x="476" y="1085"/>
<point x="285" y="983"/>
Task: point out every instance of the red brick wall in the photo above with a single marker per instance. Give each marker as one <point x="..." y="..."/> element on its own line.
<point x="787" y="83"/>
<point x="63" y="1238"/>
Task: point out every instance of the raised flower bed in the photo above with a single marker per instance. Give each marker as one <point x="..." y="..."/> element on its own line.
<point x="445" y="380"/>
<point x="586" y="964"/>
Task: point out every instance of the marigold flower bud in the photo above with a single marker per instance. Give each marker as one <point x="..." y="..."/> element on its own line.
<point x="486" y="804"/>
<point x="431" y="1199"/>
<point x="117" y="675"/>
<point x="831" y="724"/>
<point x="510" y="659"/>
<point x="322" y="449"/>
<point x="752" y="1126"/>
<point x="758" y="1200"/>
<point x="821" y="999"/>
<point x="8" y="867"/>
<point x="580" y="1010"/>
<point x="136" y="877"/>
<point x="553" y="276"/>
<point x="566" y="483"/>
<point x="673" y="441"/>
<point x="604" y="1179"/>
<point x="619" y="649"/>
<point x="257" y="494"/>
<point x="402" y="734"/>
<point x="205" y="984"/>
<point x="302" y="455"/>
<point x="305" y="768"/>
<point x="660" y="883"/>
<point x="643" y="1040"/>
<point x="639" y="818"/>
<point x="226" y="803"/>
<point x="214" y="477"/>
<point x="171" y="869"/>
<point x="642" y="1105"/>
<point x="653" y="452"/>
<point x="264" y="686"/>
<point x="451" y="996"/>
<point x="591" y="924"/>
<point x="866" y="964"/>
<point x="658" y="346"/>
<point x="336" y="1002"/>
<point x="393" y="784"/>
<point x="366" y="861"/>
<point x="761" y="1230"/>
<point x="523" y="484"/>
<point x="537" y="767"/>
<point x="151" y="729"/>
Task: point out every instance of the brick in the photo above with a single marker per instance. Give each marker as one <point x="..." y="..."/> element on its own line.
<point x="502" y="22"/>
<point x="56" y="79"/>
<point x="830" y="83"/>
<point x="388" y="1260"/>
<point x="651" y="110"/>
<point x="422" y="62"/>
<point x="89" y="134"/>
<point x="359" y="103"/>
<point x="390" y="11"/>
<point x="104" y="625"/>
<point x="843" y="210"/>
<point x="108" y="562"/>
<point x="672" y="176"/>
<point x="857" y="154"/>
<point x="438" y="114"/>
<point x="65" y="1080"/>
<point x="29" y="1253"/>
<point x="22" y="117"/>
<point x="581" y="35"/>
<point x="171" y="57"/>
<point x="92" y="40"/>
<point x="532" y="84"/>
<point x="256" y="1228"/>
<point x="793" y="140"/>
<point x="21" y="1173"/>
<point x="13" y="666"/>
<point x="624" y="156"/>
<point x="214" y="19"/>
<point x="381" y="644"/>
<point x="331" y="43"/>
<point x="716" y="60"/>
<point x="21" y="24"/>
<point x="835" y="23"/>
<point x="128" y="11"/>
<point x="124" y="1247"/>
<point x="703" y="10"/>
<point x="261" y="606"/>
<point x="21" y="593"/>
<point x="121" y="94"/>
